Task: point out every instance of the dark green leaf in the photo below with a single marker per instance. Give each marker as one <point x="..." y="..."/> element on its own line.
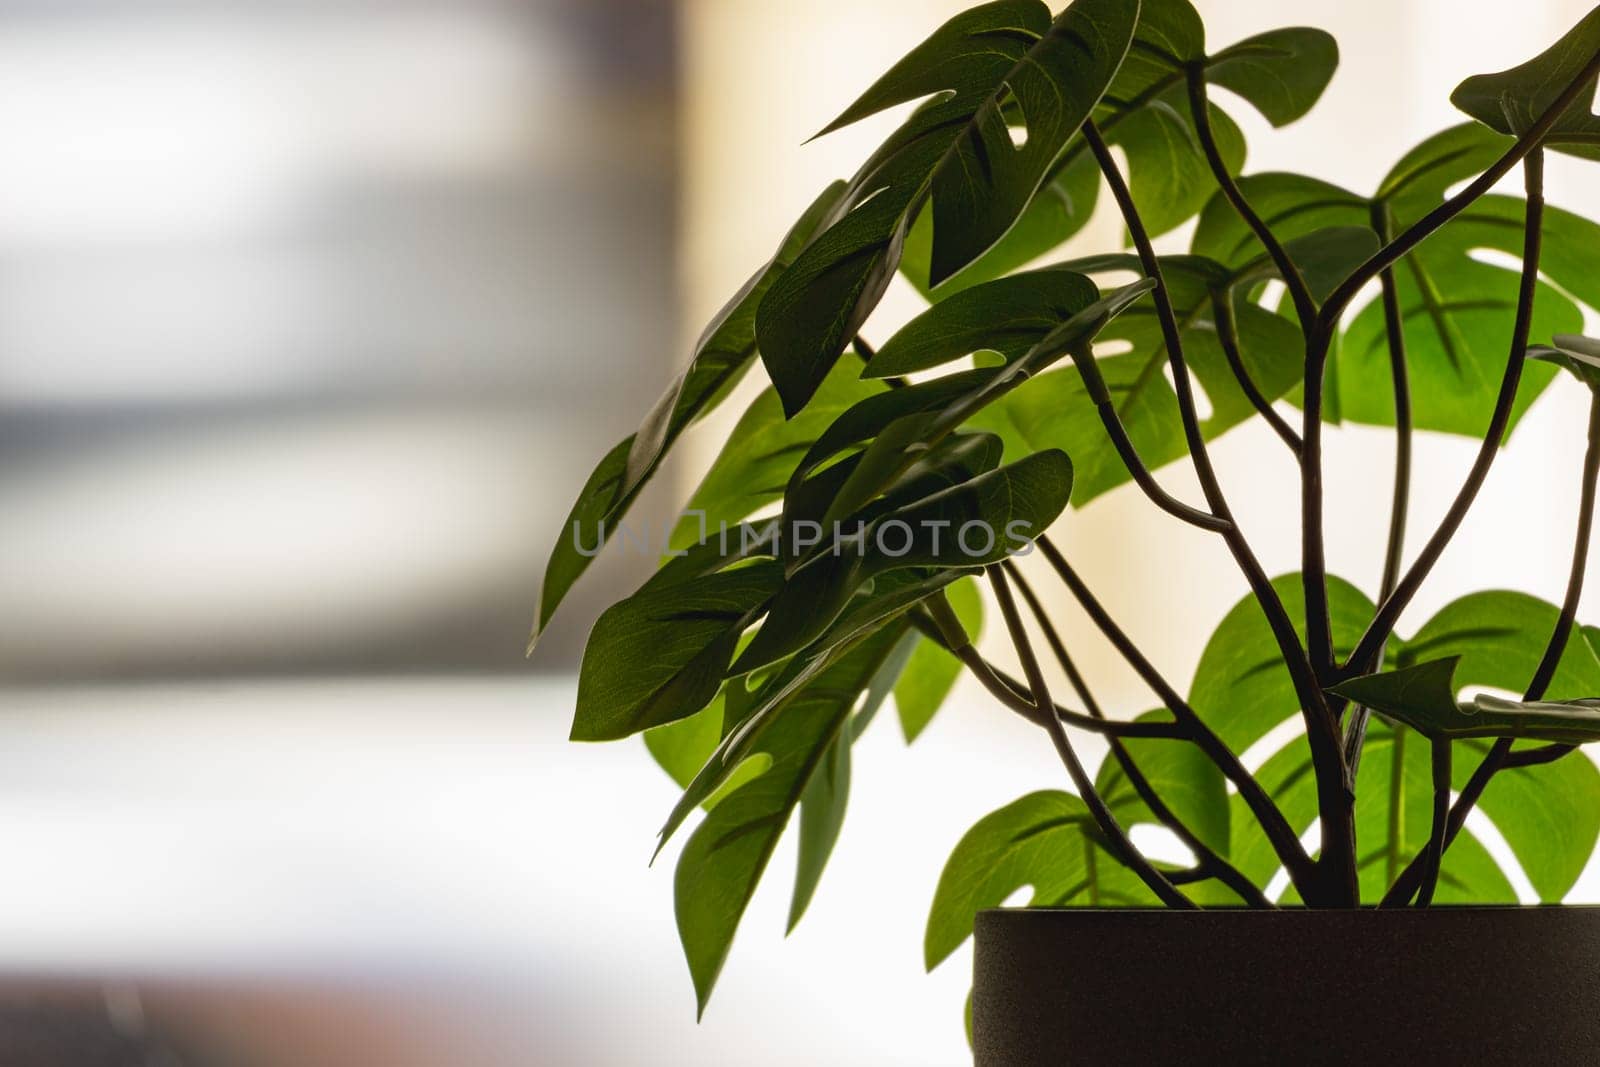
<point x="1513" y="100"/>
<point x="960" y="149"/>
<point x="1146" y="114"/>
<point x="1008" y="316"/>
<point x="1006" y="508"/>
<point x="931" y="672"/>
<point x="1578" y="354"/>
<point x="1424" y="698"/>
<point x="727" y="854"/>
<point x="721" y="357"/>
<point x="661" y="654"/>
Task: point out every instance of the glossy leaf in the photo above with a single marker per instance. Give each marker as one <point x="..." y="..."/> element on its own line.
<point x="660" y="655"/>
<point x="723" y="353"/>
<point x="1577" y="354"/>
<point x="1513" y="100"/>
<point x="1006" y="508"/>
<point x="1145" y="113"/>
<point x="959" y="149"/>
<point x="725" y="857"/>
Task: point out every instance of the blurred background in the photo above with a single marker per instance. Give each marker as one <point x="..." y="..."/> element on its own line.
<point x="314" y="316"/>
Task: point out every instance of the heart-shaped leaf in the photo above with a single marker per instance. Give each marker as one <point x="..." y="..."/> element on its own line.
<point x="1513" y="100"/>
<point x="999" y="58"/>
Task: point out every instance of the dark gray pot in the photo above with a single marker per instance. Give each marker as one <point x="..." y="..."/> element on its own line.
<point x="1478" y="986"/>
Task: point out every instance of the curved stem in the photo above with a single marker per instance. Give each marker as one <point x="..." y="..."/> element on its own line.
<point x="1200" y="113"/>
<point x="1500" y="756"/>
<point x="1121" y="847"/>
<point x="1364" y="657"/>
<point x="1228" y="338"/>
<point x="1210" y="863"/>
<point x="1013" y="693"/>
<point x="1393" y="322"/>
<point x="1302" y="872"/>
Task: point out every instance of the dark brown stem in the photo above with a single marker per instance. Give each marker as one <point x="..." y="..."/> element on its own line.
<point x="1209" y="862"/>
<point x="1356" y="731"/>
<point x="1013" y="694"/>
<point x="1228" y="339"/>
<point x="1302" y="872"/>
<point x="1363" y="659"/>
<point x="1114" y="834"/>
<point x="1441" y="816"/>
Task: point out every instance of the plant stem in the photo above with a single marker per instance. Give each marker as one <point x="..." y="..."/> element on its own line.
<point x="1200" y="113"/>
<point x="1310" y="666"/>
<point x="1228" y="338"/>
<point x="1524" y="146"/>
<point x="1122" y="848"/>
<point x="1095" y="386"/>
<point x="1209" y="862"/>
<point x="1364" y="658"/>
<point x="1500" y="756"/>
<point x="1440" y="751"/>
<point x="1302" y="872"/>
<point x="1394" y="330"/>
<point x="1012" y="694"/>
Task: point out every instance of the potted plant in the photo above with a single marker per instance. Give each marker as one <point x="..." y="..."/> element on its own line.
<point x="833" y="554"/>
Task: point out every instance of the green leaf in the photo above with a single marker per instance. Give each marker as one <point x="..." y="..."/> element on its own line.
<point x="726" y="855"/>
<point x="682" y="747"/>
<point x="660" y="655"/>
<point x="1145" y="113"/>
<point x="1424" y="698"/>
<point x="1548" y="814"/>
<point x="754" y="465"/>
<point x="721" y="356"/>
<point x="1008" y="316"/>
<point x="1006" y="508"/>
<point x="1045" y="841"/>
<point x="958" y="148"/>
<point x="1512" y="101"/>
<point x="931" y="672"/>
<point x="1578" y="354"/>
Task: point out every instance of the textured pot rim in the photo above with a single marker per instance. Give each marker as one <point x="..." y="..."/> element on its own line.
<point x="1298" y="909"/>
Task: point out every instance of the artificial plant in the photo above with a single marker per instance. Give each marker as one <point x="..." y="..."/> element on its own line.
<point x="831" y="557"/>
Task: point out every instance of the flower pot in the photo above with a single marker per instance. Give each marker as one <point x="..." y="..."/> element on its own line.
<point x="1481" y="986"/>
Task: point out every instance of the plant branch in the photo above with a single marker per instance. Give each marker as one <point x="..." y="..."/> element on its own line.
<point x="1200" y="113"/>
<point x="1356" y="731"/>
<point x="1363" y="659"/>
<point x="1209" y="862"/>
<point x="1524" y="147"/>
<point x="1500" y="755"/>
<point x="1434" y="851"/>
<point x="1013" y="693"/>
<point x="1121" y="847"/>
<point x="1228" y="338"/>
<point x="1284" y="841"/>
